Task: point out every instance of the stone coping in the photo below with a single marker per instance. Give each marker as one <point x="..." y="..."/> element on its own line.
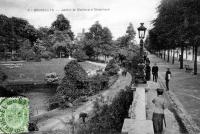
<point x="137" y="123"/>
<point x="132" y="126"/>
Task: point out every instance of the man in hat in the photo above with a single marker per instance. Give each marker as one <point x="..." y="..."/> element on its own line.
<point x="155" y="72"/>
<point x="148" y="72"/>
<point x="167" y="78"/>
<point x="158" y="114"/>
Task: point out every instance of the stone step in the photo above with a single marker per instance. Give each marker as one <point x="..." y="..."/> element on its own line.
<point x="132" y="126"/>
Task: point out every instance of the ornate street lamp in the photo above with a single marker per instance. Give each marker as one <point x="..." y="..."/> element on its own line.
<point x="141" y="31"/>
<point x="140" y="75"/>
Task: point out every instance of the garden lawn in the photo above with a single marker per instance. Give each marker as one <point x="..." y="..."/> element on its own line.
<point x="35" y="71"/>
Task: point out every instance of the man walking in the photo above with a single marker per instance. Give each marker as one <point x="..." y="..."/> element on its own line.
<point x="158" y="114"/>
<point x="167" y="78"/>
<point x="155" y="72"/>
<point x="148" y="72"/>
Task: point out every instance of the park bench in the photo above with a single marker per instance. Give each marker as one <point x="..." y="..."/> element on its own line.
<point x="188" y="68"/>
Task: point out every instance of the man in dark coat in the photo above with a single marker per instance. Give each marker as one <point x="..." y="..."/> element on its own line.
<point x="147" y="61"/>
<point x="148" y="72"/>
<point x="155" y="72"/>
<point x="167" y="78"/>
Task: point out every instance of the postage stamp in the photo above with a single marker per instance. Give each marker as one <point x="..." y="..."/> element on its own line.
<point x="14" y="115"/>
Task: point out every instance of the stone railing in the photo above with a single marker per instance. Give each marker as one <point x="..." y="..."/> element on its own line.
<point x="137" y="123"/>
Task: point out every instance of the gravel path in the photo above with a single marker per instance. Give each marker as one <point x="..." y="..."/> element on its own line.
<point x="172" y="126"/>
<point x="184" y="92"/>
<point x="60" y="120"/>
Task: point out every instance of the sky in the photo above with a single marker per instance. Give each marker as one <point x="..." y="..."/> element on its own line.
<point x="114" y="14"/>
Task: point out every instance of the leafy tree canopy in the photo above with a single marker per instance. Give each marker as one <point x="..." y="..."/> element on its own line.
<point x="63" y="24"/>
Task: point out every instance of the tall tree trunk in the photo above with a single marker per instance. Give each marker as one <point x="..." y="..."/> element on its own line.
<point x="173" y="56"/>
<point x="181" y="58"/>
<point x="171" y="52"/>
<point x="195" y="59"/>
<point x="193" y="53"/>
<point x="168" y="54"/>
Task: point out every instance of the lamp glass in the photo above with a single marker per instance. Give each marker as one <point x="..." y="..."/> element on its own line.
<point x="141" y="34"/>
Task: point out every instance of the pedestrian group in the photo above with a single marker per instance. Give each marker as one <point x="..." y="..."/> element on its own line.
<point x="159" y="101"/>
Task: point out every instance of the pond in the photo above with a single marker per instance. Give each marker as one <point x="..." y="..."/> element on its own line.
<point x="39" y="100"/>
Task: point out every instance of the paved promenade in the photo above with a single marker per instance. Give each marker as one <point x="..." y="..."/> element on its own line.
<point x="172" y="126"/>
<point x="184" y="86"/>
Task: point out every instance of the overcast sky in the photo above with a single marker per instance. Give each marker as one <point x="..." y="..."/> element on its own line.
<point x="114" y="14"/>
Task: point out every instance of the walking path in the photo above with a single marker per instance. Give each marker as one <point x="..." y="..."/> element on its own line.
<point x="172" y="126"/>
<point x="98" y="64"/>
<point x="184" y="88"/>
<point x="60" y="121"/>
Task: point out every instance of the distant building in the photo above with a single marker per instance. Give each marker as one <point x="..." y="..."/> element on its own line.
<point x="81" y="35"/>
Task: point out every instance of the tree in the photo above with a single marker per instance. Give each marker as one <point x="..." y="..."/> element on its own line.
<point x="11" y="29"/>
<point x="45" y="36"/>
<point x="21" y="28"/>
<point x="14" y="31"/>
<point x="106" y="46"/>
<point x="80" y="55"/>
<point x="88" y="48"/>
<point x="112" y="68"/>
<point x="72" y="84"/>
<point x="168" y="27"/>
<point x="95" y="34"/>
<point x="130" y="31"/>
<point x="61" y="42"/>
<point x="127" y="39"/>
<point x="98" y="41"/>
<point x="62" y="36"/>
<point x="38" y="47"/>
<point x="122" y="41"/>
<point x="196" y="45"/>
<point x="5" y="32"/>
<point x="31" y="33"/>
<point x="63" y="24"/>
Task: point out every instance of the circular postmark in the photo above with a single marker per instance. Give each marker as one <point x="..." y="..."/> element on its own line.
<point x="14" y="115"/>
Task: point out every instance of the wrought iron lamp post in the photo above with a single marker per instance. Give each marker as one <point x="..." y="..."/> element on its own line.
<point x="140" y="75"/>
<point x="141" y="31"/>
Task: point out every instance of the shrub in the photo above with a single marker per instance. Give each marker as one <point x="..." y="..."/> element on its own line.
<point x="37" y="58"/>
<point x="98" y="83"/>
<point x="72" y="86"/>
<point x="30" y="55"/>
<point x="112" y="68"/>
<point x="80" y="56"/>
<point x="75" y="72"/>
<point x="51" y="78"/>
<point x="3" y="76"/>
<point x="110" y="117"/>
<point x="47" y="55"/>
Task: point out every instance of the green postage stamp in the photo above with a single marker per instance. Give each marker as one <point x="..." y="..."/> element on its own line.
<point x="14" y="115"/>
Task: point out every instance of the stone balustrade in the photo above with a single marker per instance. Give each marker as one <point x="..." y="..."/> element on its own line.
<point x="137" y="123"/>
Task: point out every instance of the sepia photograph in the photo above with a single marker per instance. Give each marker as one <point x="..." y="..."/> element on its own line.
<point x="99" y="67"/>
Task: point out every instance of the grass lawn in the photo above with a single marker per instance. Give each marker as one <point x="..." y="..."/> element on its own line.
<point x="35" y="71"/>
